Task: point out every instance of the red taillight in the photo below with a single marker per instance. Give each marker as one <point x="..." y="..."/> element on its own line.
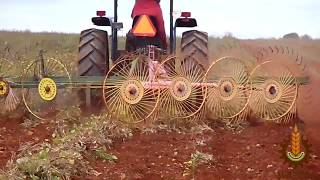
<point x="101" y="13"/>
<point x="186" y="14"/>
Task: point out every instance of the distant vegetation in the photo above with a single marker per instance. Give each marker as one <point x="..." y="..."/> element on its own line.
<point x="291" y="36"/>
<point x="25" y="45"/>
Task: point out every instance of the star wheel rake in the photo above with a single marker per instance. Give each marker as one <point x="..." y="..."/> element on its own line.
<point x="183" y="89"/>
<point x="129" y="93"/>
<point x="274" y="91"/>
<point x="290" y="117"/>
<point x="42" y="92"/>
<point x="229" y="88"/>
<point x="9" y="99"/>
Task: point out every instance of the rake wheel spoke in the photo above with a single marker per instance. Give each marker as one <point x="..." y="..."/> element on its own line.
<point x="46" y="96"/>
<point x="231" y="97"/>
<point x="133" y="102"/>
<point x="277" y="96"/>
<point x="182" y="99"/>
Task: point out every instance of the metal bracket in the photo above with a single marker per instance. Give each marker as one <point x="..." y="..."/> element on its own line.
<point x="117" y="25"/>
<point x="88" y="96"/>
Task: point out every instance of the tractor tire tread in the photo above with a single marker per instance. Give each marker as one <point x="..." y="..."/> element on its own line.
<point x="195" y="44"/>
<point x="93" y="60"/>
<point x="93" y="53"/>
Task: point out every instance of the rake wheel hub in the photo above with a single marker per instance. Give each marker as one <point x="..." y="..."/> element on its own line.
<point x="47" y="89"/>
<point x="132" y="91"/>
<point x="272" y="91"/>
<point x="4" y="88"/>
<point x="181" y="89"/>
<point x="227" y="88"/>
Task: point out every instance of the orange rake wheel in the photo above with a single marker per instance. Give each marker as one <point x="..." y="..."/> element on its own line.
<point x="183" y="91"/>
<point x="229" y="88"/>
<point x="41" y="93"/>
<point x="128" y="94"/>
<point x="274" y="92"/>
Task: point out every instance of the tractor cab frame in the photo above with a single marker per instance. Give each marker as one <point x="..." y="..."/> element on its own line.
<point x="185" y="20"/>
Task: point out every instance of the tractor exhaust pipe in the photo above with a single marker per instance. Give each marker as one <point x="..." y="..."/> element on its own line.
<point x="171" y="28"/>
<point x="115" y="32"/>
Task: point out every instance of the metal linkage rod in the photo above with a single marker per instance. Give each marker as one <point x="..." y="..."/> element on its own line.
<point x="97" y="82"/>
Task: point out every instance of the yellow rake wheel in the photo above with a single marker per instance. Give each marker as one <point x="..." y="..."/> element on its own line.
<point x="182" y="88"/>
<point x="47" y="89"/>
<point x="228" y="88"/>
<point x="9" y="99"/>
<point x="4" y="89"/>
<point x="274" y="92"/>
<point x="128" y="94"/>
<point x="40" y="92"/>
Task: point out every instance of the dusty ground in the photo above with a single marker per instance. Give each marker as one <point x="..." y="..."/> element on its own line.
<point x="251" y="154"/>
<point x="13" y="134"/>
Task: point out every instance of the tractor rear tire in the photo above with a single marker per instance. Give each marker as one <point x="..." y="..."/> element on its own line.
<point x="195" y="44"/>
<point x="93" y="60"/>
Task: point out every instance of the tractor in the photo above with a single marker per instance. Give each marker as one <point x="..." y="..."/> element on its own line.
<point x="95" y="56"/>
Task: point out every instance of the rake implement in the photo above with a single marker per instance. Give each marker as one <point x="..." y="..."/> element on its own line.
<point x="138" y="89"/>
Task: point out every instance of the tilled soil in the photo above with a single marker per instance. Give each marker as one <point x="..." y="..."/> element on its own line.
<point x="255" y="153"/>
<point x="13" y="135"/>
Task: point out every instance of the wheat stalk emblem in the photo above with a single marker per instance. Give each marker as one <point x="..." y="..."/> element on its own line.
<point x="296" y="154"/>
